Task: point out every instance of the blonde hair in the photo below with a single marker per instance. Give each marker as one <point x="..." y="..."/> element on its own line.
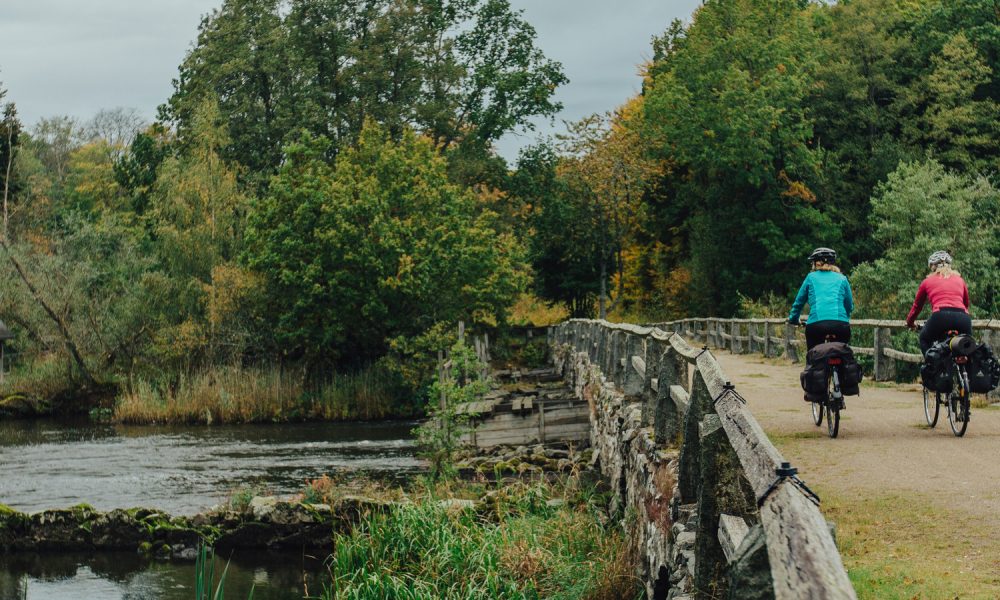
<point x="822" y="266"/>
<point x="944" y="270"/>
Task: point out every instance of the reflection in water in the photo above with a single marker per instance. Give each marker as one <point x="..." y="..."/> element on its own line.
<point x="185" y="470"/>
<point x="182" y="470"/>
<point x="110" y="576"/>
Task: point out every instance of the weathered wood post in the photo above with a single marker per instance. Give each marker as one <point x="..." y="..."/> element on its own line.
<point x="767" y="339"/>
<point x="719" y="491"/>
<point x="750" y="569"/>
<point x="634" y="380"/>
<point x="672" y="372"/>
<point x="790" y="351"/>
<point x="885" y="367"/>
<point x="689" y="469"/>
<point x="734" y="342"/>
<point x="650" y="394"/>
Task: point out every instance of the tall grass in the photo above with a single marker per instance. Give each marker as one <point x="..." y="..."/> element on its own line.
<point x="524" y="547"/>
<point x="236" y="394"/>
<point x="45" y="377"/>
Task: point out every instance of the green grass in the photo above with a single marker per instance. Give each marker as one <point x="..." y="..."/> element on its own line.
<point x="912" y="546"/>
<point x="517" y="547"/>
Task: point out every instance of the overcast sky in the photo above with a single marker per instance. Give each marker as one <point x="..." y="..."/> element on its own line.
<point x="74" y="57"/>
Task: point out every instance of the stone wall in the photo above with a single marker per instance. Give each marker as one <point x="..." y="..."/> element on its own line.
<point x="642" y="473"/>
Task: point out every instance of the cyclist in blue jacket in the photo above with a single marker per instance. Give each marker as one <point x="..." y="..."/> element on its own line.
<point x="828" y="294"/>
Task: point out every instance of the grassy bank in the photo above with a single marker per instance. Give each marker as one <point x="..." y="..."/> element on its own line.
<point x="233" y="394"/>
<point x="522" y="540"/>
<point x="933" y="551"/>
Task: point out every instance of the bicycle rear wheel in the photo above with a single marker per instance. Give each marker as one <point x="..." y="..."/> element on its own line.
<point x="931" y="407"/>
<point x="817" y="410"/>
<point x="958" y="404"/>
<point x="832" y="408"/>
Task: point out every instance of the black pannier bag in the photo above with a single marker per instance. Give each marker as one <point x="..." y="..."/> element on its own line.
<point x="983" y="370"/>
<point x="813" y="378"/>
<point x="935" y="373"/>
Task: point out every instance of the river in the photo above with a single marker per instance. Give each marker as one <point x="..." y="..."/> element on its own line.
<point x="183" y="471"/>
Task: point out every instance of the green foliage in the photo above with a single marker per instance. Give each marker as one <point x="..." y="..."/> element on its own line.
<point x="727" y="108"/>
<point x="523" y="549"/>
<point x="458" y="382"/>
<point x="457" y="71"/>
<point x="923" y="207"/>
<point x="378" y="246"/>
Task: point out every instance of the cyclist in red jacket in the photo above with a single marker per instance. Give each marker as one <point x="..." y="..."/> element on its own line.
<point x="949" y="297"/>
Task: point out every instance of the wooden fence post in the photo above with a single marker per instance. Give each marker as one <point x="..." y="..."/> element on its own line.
<point x="672" y="371"/>
<point x="734" y="343"/>
<point x="720" y="490"/>
<point x="885" y="367"/>
<point x="650" y="397"/>
<point x="767" y="339"/>
<point x="790" y="351"/>
<point x="689" y="469"/>
<point x="750" y="570"/>
<point x="634" y="382"/>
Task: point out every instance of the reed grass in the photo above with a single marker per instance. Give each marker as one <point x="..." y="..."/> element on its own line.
<point x="45" y="377"/>
<point x="525" y="547"/>
<point x="236" y="394"/>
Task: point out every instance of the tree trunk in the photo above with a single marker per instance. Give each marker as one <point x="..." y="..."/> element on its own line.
<point x="70" y="344"/>
<point x="602" y="312"/>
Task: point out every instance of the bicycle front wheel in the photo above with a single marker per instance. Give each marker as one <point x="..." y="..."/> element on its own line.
<point x="958" y="404"/>
<point x="931" y="407"/>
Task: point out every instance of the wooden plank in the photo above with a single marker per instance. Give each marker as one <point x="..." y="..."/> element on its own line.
<point x="903" y="356"/>
<point x="732" y="530"/>
<point x="639" y="364"/>
<point x="680" y="397"/>
<point x="804" y="559"/>
<point x="863" y="350"/>
<point x="757" y="454"/>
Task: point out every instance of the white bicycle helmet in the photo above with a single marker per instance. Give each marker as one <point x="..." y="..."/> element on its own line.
<point x="938" y="258"/>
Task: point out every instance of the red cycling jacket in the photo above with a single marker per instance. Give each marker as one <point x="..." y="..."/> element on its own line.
<point x="943" y="292"/>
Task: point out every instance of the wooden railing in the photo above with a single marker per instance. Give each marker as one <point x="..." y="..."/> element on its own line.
<point x="755" y="517"/>
<point x="772" y="337"/>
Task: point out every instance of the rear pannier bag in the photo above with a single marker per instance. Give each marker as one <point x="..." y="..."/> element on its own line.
<point x="935" y="373"/>
<point x="813" y="378"/>
<point x="814" y="383"/>
<point x="983" y="370"/>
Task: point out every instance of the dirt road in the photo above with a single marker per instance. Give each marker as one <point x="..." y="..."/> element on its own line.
<point x="928" y="501"/>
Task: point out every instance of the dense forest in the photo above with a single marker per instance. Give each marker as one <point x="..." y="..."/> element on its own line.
<point x="320" y="193"/>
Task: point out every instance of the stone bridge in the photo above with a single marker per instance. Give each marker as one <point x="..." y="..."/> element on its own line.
<point x="716" y="511"/>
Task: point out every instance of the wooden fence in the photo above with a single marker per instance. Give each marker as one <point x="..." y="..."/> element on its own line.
<point x="760" y="531"/>
<point x="772" y="337"/>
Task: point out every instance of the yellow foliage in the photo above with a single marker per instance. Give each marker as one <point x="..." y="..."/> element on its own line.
<point x="530" y="310"/>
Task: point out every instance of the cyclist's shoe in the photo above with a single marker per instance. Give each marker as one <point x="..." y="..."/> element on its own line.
<point x="843" y="405"/>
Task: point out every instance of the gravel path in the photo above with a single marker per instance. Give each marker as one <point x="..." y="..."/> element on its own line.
<point x="884" y="444"/>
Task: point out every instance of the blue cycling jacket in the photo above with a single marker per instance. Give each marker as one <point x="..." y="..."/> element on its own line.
<point x="829" y="297"/>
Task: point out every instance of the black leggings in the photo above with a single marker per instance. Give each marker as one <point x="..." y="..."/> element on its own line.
<point x="816" y="332"/>
<point x="940" y="323"/>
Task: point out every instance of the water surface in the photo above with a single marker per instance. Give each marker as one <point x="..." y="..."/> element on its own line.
<point x="183" y="471"/>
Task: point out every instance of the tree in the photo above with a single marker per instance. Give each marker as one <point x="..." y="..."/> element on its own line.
<point x="378" y="246"/>
<point x="10" y="133"/>
<point x="607" y="156"/>
<point x="728" y="112"/>
<point x="958" y="126"/>
<point x="924" y="207"/>
<point x="460" y="70"/>
<point x="563" y="243"/>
